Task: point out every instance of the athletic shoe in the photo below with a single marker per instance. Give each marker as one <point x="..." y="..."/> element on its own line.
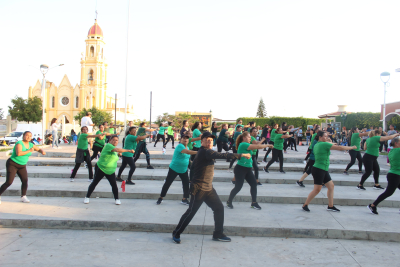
<point x="259" y="183"/>
<point x="222" y="238"/>
<point x="305" y="162"/>
<point x="230" y="170"/>
<point x="154" y="145"/>
<point x="229" y="205"/>
<point x="377" y="187"/>
<point x="360" y="187"/>
<point x="117" y="202"/>
<point x="129" y="182"/>
<point x="86" y="200"/>
<point x="25" y="199"/>
<point x="185" y="202"/>
<point x="323" y="186"/>
<point x="173" y="147"/>
<point x="345" y="173"/>
<point x="119" y="179"/>
<point x="258" y="163"/>
<point x="282" y="171"/>
<point x="285" y="152"/>
<point x="265" y="170"/>
<point x="300" y="183"/>
<point x="150" y="167"/>
<point x="90" y="180"/>
<point x="177" y="240"/>
<point x="305" y="208"/>
<point x="71" y="180"/>
<point x="233" y="182"/>
<point x="333" y="208"/>
<point x="372" y="209"/>
<point x="86" y="166"/>
<point x="255" y="206"/>
<point x="159" y="201"/>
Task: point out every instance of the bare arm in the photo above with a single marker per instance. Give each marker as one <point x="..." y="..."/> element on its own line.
<point x="39" y="150"/>
<point x="363" y="134"/>
<point x="341" y="148"/>
<point x="19" y="151"/>
<point x="196" y="139"/>
<point x="96" y="135"/>
<point x="139" y="138"/>
<point x="386" y="138"/>
<point x="121" y="150"/>
<point x="189" y="152"/>
<point x="285" y="136"/>
<point x="258" y="146"/>
<point x="211" y="154"/>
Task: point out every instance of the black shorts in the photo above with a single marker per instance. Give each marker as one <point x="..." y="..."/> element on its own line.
<point x="320" y="176"/>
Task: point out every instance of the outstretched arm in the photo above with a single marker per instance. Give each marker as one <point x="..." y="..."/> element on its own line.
<point x="39" y="150"/>
<point x="341" y="148"/>
<point x="211" y="154"/>
<point x="189" y="152"/>
<point x="390" y="137"/>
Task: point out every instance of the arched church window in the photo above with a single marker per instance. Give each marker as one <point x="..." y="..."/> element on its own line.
<point x="90" y="77"/>
<point x="53" y="100"/>
<point x="77" y="102"/>
<point x="92" y="51"/>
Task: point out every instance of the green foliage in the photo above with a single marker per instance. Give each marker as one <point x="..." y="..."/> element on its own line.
<point x="177" y="120"/>
<point x="261" y="112"/>
<point x="360" y="120"/>
<point x="98" y="116"/>
<point x="395" y="121"/>
<point x="1" y="113"/>
<point x="295" y="121"/>
<point x="29" y="110"/>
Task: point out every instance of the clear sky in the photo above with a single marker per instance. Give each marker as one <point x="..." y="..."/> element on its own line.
<point x="302" y="57"/>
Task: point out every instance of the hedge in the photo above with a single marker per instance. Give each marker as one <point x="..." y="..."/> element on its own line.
<point x="295" y="121"/>
<point x="360" y="120"/>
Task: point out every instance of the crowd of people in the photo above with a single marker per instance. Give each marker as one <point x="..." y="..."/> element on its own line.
<point x="197" y="151"/>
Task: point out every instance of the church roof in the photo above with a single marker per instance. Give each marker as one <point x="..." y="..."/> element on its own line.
<point x="95" y="30"/>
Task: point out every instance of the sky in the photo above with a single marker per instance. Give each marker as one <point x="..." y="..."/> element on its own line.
<point x="302" y="57"/>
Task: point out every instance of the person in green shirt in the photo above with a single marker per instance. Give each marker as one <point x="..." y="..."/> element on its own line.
<point x="243" y="169"/>
<point x="127" y="157"/>
<point x="170" y="135"/>
<point x="196" y="129"/>
<point x="239" y="123"/>
<point x="214" y="130"/>
<point x="222" y="140"/>
<point x="313" y="134"/>
<point x="234" y="150"/>
<point x="355" y="139"/>
<point x="310" y="164"/>
<point x="82" y="153"/>
<point x="179" y="166"/>
<point x="280" y="136"/>
<point x="99" y="142"/>
<point x="393" y="176"/>
<point x="322" y="151"/>
<point x="161" y="134"/>
<point x="141" y="145"/>
<point x="111" y="129"/>
<point x="271" y="140"/>
<point x="16" y="164"/>
<point x="106" y="166"/>
<point x="370" y="158"/>
<point x="253" y="141"/>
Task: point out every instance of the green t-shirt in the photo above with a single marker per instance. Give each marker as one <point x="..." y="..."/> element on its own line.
<point x="272" y="136"/>
<point x="249" y="129"/>
<point x="162" y="130"/>
<point x="130" y="143"/>
<point x="312" y="138"/>
<point x="394" y="159"/>
<point x="243" y="150"/>
<point x="170" y="131"/>
<point x="180" y="161"/>
<point x="190" y="144"/>
<point x="312" y="156"/>
<point x="322" y="151"/>
<point x="235" y="136"/>
<point x="222" y="137"/>
<point x="99" y="142"/>
<point x="373" y="144"/>
<point x="238" y="125"/>
<point x="251" y="142"/>
<point x="108" y="160"/>
<point x="355" y="141"/>
<point x="141" y="132"/>
<point x="21" y="160"/>
<point x="278" y="142"/>
<point x="111" y="130"/>
<point x="197" y="133"/>
<point x="83" y="142"/>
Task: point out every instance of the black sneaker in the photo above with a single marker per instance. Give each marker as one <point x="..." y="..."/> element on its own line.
<point x="361" y="172"/>
<point x="259" y="183"/>
<point x="185" y="202"/>
<point x="305" y="208"/>
<point x="265" y="170"/>
<point x="333" y="208"/>
<point x="176" y="239"/>
<point x="360" y="187"/>
<point x="118" y="179"/>
<point x="154" y="145"/>
<point x="345" y="173"/>
<point x="150" y="167"/>
<point x="372" y="209"/>
<point x="282" y="171"/>
<point x="173" y="147"/>
<point x="300" y="184"/>
<point x="229" y="205"/>
<point x="233" y="182"/>
<point x="222" y="238"/>
<point x="129" y="182"/>
<point x="159" y="201"/>
<point x="255" y="206"/>
<point x="377" y="187"/>
<point x="258" y="163"/>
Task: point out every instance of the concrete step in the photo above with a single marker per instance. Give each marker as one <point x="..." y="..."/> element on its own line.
<point x="164" y="164"/>
<point x="268" y="193"/>
<point x="274" y="220"/>
<point x="219" y="175"/>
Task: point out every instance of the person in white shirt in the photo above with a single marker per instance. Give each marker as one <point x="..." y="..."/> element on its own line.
<point x="54" y="130"/>
<point x="87" y="121"/>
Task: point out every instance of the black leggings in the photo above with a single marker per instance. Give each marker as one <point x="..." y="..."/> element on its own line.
<point x="171" y="177"/>
<point x="241" y="174"/>
<point x="309" y="166"/>
<point x="222" y="145"/>
<point x="393" y="184"/>
<point x="96" y="150"/>
<point x="232" y="160"/>
<point x="78" y="165"/>
<point x="127" y="161"/>
<point x="12" y="169"/>
<point x="160" y="136"/>
<point x="275" y="155"/>
<point x="292" y="142"/>
<point x="255" y="165"/>
<point x="269" y="150"/>
<point x="355" y="155"/>
<point x="170" y="137"/>
<point x="142" y="148"/>
<point x="370" y="164"/>
<point x="99" y="174"/>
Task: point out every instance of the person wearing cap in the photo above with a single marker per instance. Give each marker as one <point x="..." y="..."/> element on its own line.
<point x="179" y="166"/>
<point x="201" y="188"/>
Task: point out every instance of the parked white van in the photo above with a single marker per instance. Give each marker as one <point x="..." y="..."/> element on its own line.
<point x="15" y="136"/>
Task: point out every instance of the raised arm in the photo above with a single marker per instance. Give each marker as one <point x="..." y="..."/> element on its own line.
<point x="96" y="135"/>
<point x="363" y="134"/>
<point x="211" y="154"/>
<point x="259" y="146"/>
<point x="189" y="152"/>
<point x="390" y="137"/>
<point x="341" y="148"/>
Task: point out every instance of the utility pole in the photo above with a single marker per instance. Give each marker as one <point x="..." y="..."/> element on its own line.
<point x="151" y="97"/>
<point x="115" y="119"/>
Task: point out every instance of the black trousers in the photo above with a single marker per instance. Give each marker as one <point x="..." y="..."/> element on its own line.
<point x="127" y="161"/>
<point x="212" y="200"/>
<point x="255" y="165"/>
<point x="141" y="148"/>
<point x="232" y="160"/>
<point x="269" y="150"/>
<point x="241" y="174"/>
<point x="99" y="174"/>
<point x="353" y="156"/>
<point x="308" y="168"/>
<point x="393" y="184"/>
<point x="13" y="168"/>
<point x="232" y="143"/>
<point x="222" y="145"/>
<point x="370" y="164"/>
<point x="78" y="165"/>
<point x="160" y="136"/>
<point x="171" y="177"/>
<point x="170" y="137"/>
<point x="96" y="150"/>
<point x="276" y="154"/>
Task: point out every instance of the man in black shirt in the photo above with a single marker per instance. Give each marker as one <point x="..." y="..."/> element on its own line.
<point x="201" y="188"/>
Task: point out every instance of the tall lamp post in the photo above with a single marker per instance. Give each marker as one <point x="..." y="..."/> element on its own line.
<point x="385" y="77"/>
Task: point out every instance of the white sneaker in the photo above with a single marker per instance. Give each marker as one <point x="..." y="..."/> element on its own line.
<point x="59" y="147"/>
<point x="305" y="162"/>
<point x="90" y="180"/>
<point x="25" y="199"/>
<point x="71" y="180"/>
<point x="230" y="170"/>
<point x="54" y="147"/>
<point x="117" y="202"/>
<point x="86" y="200"/>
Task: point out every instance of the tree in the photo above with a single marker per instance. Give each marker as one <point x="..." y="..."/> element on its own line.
<point x="29" y="110"/>
<point x="98" y="116"/>
<point x="261" y="112"/>
<point x="1" y="114"/>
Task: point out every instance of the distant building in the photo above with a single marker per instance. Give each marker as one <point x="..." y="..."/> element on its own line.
<point x="332" y="115"/>
<point x="392" y="109"/>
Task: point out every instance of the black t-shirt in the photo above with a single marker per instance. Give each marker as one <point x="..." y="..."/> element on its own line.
<point x="329" y="130"/>
<point x="264" y="133"/>
<point x="214" y="129"/>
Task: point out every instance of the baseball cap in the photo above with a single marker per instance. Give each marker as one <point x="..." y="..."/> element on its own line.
<point x="207" y="135"/>
<point x="185" y="136"/>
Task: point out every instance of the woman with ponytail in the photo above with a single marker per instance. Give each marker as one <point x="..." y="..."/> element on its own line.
<point x="355" y="140"/>
<point x="277" y="151"/>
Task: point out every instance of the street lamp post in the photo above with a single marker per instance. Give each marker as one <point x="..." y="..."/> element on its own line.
<point x="385" y="77"/>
